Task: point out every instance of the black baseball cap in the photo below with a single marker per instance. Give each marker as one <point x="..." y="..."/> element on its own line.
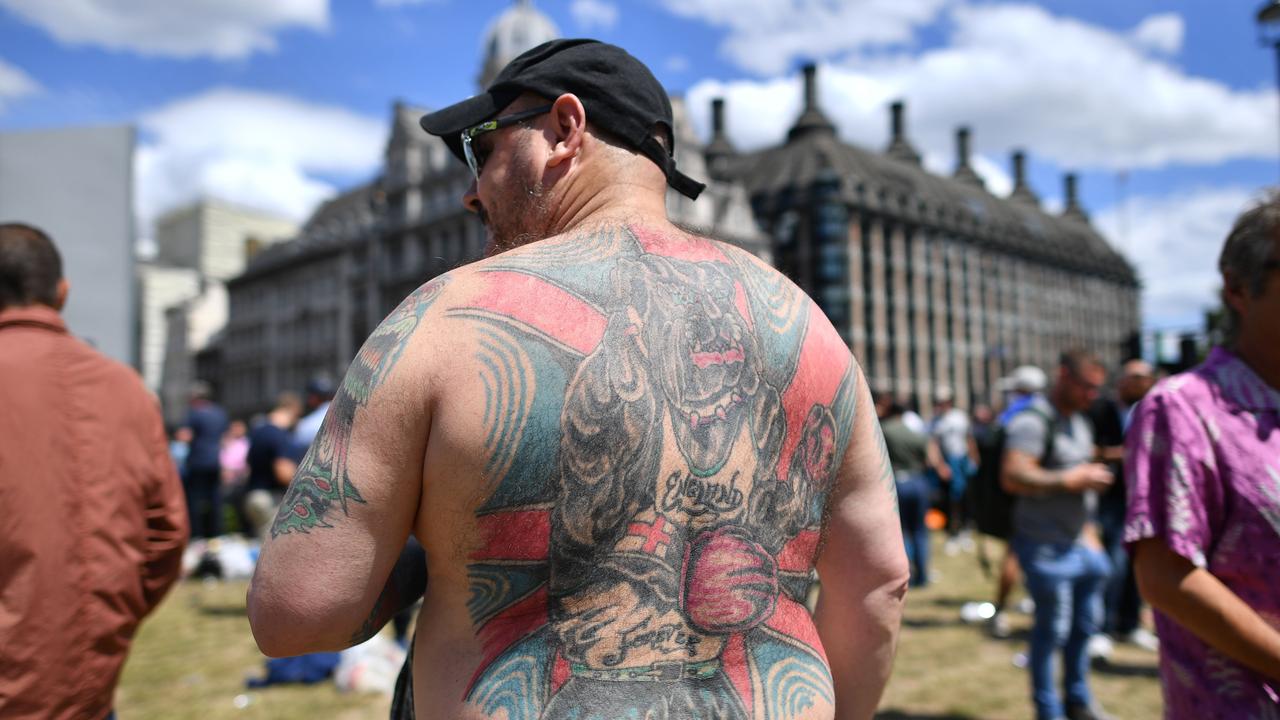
<point x="620" y="94"/>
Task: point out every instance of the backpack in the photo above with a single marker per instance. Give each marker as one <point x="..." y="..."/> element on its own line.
<point x="992" y="505"/>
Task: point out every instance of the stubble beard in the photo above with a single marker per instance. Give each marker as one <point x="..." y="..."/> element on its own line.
<point x="519" y="219"/>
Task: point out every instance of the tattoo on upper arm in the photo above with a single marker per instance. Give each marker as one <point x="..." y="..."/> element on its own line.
<point x="322" y="480"/>
<point x="887" y="479"/>
<point x="665" y="424"/>
<point x="378" y="616"/>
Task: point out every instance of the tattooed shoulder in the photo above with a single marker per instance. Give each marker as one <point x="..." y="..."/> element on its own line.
<point x="323" y="481"/>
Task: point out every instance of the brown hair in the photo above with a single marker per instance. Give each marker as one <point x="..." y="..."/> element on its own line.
<point x="1245" y="254"/>
<point x="30" y="266"/>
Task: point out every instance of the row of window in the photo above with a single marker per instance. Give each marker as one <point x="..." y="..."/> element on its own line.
<point x="1057" y="310"/>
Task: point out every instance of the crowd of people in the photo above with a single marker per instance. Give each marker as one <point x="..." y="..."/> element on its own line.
<point x="674" y="601"/>
<point x="1043" y="477"/>
<point x="239" y="469"/>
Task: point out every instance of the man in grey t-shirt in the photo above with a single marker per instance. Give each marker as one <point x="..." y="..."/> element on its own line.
<point x="1061" y="556"/>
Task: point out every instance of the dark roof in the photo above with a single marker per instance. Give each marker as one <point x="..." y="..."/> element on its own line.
<point x="883" y="184"/>
<point x="334" y="225"/>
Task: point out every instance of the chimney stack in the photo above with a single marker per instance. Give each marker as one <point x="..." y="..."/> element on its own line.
<point x="810" y="86"/>
<point x="719" y="149"/>
<point x="899" y="147"/>
<point x="1073" y="207"/>
<point x="1021" y="190"/>
<point x="811" y="119"/>
<point x="964" y="171"/>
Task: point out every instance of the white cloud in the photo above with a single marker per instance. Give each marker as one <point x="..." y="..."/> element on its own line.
<point x="221" y="29"/>
<point x="253" y="148"/>
<point x="14" y="83"/>
<point x="1174" y="242"/>
<point x="1090" y="98"/>
<point x="677" y="64"/>
<point x="768" y="36"/>
<point x="594" y="14"/>
<point x="1161" y="33"/>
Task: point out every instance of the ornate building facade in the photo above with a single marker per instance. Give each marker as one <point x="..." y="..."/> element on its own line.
<point x="302" y="308"/>
<point x="933" y="281"/>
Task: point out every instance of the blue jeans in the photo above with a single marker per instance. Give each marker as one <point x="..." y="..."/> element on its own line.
<point x="1121" y="599"/>
<point x="204" y="503"/>
<point x="913" y="503"/>
<point x="1066" y="582"/>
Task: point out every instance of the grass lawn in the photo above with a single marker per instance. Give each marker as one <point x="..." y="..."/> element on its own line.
<point x="191" y="658"/>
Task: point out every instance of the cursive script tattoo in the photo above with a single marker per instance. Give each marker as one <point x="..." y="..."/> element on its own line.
<point x="699" y="497"/>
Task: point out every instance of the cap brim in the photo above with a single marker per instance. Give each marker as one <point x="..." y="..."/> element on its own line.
<point x="447" y="123"/>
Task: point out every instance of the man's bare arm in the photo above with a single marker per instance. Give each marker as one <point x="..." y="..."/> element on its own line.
<point x="933" y="456"/>
<point x="864" y="570"/>
<point x="405" y="586"/>
<point x="284" y="469"/>
<point x="1199" y="602"/>
<point x="349" y="510"/>
<point x="1021" y="474"/>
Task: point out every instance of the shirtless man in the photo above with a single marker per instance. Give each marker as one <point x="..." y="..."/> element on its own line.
<point x="623" y="447"/>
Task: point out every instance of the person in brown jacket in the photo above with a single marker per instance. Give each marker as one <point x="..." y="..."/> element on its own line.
<point x="94" y="520"/>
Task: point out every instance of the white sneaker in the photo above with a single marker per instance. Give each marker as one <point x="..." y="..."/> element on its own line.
<point x="1000" y="626"/>
<point x="1144" y="639"/>
<point x="1100" y="647"/>
<point x="976" y="612"/>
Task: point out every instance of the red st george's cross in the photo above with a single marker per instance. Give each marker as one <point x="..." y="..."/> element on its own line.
<point x="654" y="535"/>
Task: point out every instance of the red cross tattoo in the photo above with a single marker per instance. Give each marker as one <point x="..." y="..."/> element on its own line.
<point x="654" y="535"/>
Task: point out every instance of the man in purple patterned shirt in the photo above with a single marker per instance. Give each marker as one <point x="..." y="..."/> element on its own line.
<point x="1203" y="471"/>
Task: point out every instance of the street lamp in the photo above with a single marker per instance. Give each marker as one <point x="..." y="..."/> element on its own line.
<point x="1268" y="19"/>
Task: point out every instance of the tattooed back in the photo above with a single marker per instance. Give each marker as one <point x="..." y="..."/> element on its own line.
<point x="633" y="440"/>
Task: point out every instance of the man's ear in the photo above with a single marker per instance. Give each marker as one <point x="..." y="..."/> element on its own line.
<point x="60" y="293"/>
<point x="569" y="123"/>
<point x="1233" y="293"/>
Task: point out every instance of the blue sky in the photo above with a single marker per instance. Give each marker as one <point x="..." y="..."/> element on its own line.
<point x="1167" y="109"/>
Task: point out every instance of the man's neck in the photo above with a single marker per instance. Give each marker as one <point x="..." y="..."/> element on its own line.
<point x="1262" y="357"/>
<point x="1060" y="404"/>
<point x="595" y="202"/>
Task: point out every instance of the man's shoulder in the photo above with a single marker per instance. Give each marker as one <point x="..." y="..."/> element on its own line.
<point x="108" y="381"/>
<point x="586" y="252"/>
<point x="1032" y="418"/>
<point x="111" y="375"/>
<point x="267" y="432"/>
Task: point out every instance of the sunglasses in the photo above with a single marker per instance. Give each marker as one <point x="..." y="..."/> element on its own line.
<point x="475" y="160"/>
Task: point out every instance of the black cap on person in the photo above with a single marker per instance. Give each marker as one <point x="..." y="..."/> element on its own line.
<point x="620" y="94"/>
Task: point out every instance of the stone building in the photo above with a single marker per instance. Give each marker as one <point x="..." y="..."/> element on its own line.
<point x="304" y="307"/>
<point x="182" y="299"/>
<point x="76" y="184"/>
<point x="932" y="280"/>
<point x="300" y="309"/>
